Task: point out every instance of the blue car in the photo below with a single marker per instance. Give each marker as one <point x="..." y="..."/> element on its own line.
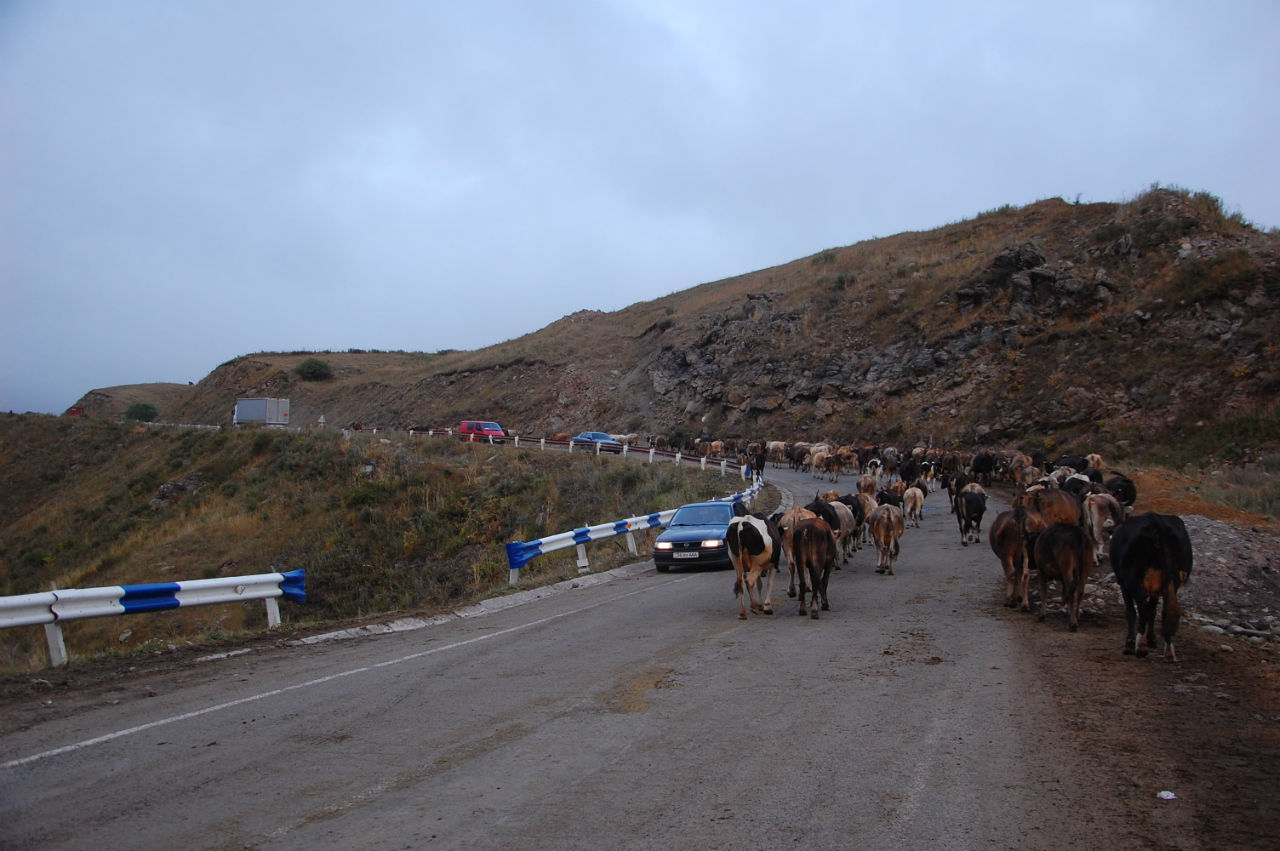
<point x="695" y="536"/>
<point x="591" y="438"/>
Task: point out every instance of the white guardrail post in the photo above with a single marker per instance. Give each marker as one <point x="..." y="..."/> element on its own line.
<point x="50" y="608"/>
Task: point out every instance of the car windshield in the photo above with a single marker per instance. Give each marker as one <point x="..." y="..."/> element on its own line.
<point x="703" y="515"/>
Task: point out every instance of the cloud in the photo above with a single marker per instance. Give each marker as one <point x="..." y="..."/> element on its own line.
<point x="191" y="182"/>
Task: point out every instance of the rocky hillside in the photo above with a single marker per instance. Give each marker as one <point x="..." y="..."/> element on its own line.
<point x="1047" y="324"/>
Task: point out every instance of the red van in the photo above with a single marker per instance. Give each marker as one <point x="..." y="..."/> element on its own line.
<point x="485" y="430"/>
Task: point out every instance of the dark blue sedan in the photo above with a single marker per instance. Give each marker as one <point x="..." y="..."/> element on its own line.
<point x="695" y="536"/>
<point x="591" y="438"/>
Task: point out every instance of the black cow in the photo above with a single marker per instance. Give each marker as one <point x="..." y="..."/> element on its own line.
<point x="1151" y="557"/>
<point x="1123" y="489"/>
<point x="969" y="509"/>
<point x="1075" y="462"/>
<point x="823" y="509"/>
<point x="983" y="466"/>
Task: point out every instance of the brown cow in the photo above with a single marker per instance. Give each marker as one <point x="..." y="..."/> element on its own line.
<point x="1053" y="504"/>
<point x="1063" y="552"/>
<point x="814" y="546"/>
<point x="886" y="529"/>
<point x="1008" y="537"/>
<point x="754" y="549"/>
<point x="786" y="528"/>
<point x="869" y="504"/>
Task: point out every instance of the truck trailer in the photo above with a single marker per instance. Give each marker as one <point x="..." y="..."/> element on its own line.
<point x="261" y="411"/>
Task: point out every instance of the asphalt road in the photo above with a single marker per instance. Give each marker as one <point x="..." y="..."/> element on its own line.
<point x="632" y="711"/>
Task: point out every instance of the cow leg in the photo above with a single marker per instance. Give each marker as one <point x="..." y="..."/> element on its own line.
<point x="767" y="607"/>
<point x="814" y="587"/>
<point x="1044" y="596"/>
<point x="1131" y="618"/>
<point x="739" y="591"/>
<point x="1169" y="621"/>
<point x="1010" y="581"/>
<point x="1146" y="625"/>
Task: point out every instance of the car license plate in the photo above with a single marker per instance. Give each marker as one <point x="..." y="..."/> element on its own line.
<point x="689" y="554"/>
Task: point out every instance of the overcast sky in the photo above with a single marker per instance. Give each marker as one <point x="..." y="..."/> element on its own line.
<point x="184" y="182"/>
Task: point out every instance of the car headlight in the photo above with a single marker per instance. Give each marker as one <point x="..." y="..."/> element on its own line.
<point x="662" y="545"/>
<point x="712" y="543"/>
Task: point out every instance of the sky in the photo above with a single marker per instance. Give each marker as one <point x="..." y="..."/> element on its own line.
<point x="183" y="183"/>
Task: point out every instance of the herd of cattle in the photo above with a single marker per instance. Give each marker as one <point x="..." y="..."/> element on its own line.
<point x="1068" y="516"/>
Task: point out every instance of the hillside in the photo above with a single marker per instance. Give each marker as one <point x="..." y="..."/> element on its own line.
<point x="1049" y="324"/>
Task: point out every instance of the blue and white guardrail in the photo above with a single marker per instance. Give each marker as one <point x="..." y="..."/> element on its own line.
<point x="52" y="607"/>
<point x="520" y="553"/>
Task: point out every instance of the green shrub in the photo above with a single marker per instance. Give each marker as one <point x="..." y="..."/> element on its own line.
<point x="143" y="412"/>
<point x="313" y="369"/>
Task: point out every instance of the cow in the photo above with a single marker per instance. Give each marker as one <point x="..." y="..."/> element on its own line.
<point x="847" y="535"/>
<point x="983" y="466"/>
<point x="913" y="505"/>
<point x="786" y="523"/>
<point x="970" y="506"/>
<point x="955" y="483"/>
<point x="1008" y="538"/>
<point x="1053" y="504"/>
<point x="1075" y="462"/>
<point x="1151" y="557"/>
<point x="814" y="547"/>
<point x="754" y="548"/>
<point x="777" y="452"/>
<point x="868" y="503"/>
<point x="886" y="529"/>
<point x="1102" y="514"/>
<point x="1123" y="489"/>
<point x="1062" y="552"/>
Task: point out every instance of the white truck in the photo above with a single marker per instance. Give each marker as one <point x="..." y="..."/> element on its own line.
<point x="262" y="411"/>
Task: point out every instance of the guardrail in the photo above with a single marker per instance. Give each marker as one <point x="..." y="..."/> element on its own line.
<point x="50" y="608"/>
<point x="520" y="553"/>
<point x="543" y="442"/>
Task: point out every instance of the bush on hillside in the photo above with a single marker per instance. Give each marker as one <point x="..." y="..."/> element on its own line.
<point x="314" y="369"/>
<point x="143" y="412"/>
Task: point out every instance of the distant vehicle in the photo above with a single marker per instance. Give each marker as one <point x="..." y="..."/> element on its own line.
<point x="591" y="438"/>
<point x="695" y="535"/>
<point x="485" y="430"/>
<point x="261" y="411"/>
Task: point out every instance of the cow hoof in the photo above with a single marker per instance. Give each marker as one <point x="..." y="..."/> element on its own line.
<point x="742" y="616"/>
<point x="791" y="594"/>
<point x="1141" y="652"/>
<point x="826" y="607"/>
<point x="1072" y="627"/>
<point x="813" y="615"/>
<point x="963" y="542"/>
<point x="1128" y="650"/>
<point x="766" y="611"/>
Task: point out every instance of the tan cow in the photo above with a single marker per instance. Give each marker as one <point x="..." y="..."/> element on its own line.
<point x="913" y="505"/>
<point x="886" y="529"/>
<point x="1102" y="514"/>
